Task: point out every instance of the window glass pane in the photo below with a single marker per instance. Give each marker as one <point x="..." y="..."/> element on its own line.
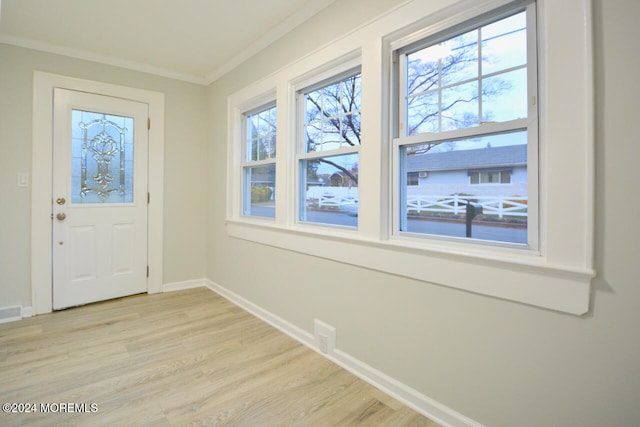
<point x="102" y="158"/>
<point x="412" y="178"/>
<point x="505" y="96"/>
<point x="260" y="183"/>
<point x="490" y="177"/>
<point x="330" y="190"/>
<point x="332" y="116"/>
<point x="444" y="91"/>
<point x="460" y="106"/>
<point x="423" y="114"/>
<point x="351" y="94"/>
<point x="331" y="97"/>
<point x="489" y="172"/>
<point x="504" y="44"/>
<point x="312" y="106"/>
<point x="261" y="135"/>
<point x="461" y="61"/>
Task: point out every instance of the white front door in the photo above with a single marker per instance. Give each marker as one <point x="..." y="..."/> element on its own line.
<point x="99" y="214"/>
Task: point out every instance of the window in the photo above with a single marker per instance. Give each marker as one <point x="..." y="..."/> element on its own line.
<point x="479" y="131"/>
<point x="259" y="166"/>
<point x="102" y="158"/>
<point x="464" y="115"/>
<point x="413" y="178"/>
<point x="490" y="177"/>
<point x="328" y="157"/>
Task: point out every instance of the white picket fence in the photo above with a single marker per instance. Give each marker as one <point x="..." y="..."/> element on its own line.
<point x="338" y="197"/>
<point x="499" y="206"/>
<point x="491" y="205"/>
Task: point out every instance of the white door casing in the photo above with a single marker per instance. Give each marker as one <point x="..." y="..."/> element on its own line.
<point x="99" y="222"/>
<point x="42" y="195"/>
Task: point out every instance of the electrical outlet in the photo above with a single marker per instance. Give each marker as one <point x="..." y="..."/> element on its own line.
<point x="323" y="343"/>
<point x="23" y="179"/>
<point x="325" y="336"/>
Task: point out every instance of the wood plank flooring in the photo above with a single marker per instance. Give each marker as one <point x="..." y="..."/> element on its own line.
<point x="188" y="358"/>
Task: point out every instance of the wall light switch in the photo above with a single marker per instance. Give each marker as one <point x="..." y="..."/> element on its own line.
<point x="23" y="179"/>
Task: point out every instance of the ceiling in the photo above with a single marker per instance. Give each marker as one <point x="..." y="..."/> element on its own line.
<point x="191" y="40"/>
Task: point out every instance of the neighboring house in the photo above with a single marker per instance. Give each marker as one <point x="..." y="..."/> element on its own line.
<point x="263" y="184"/>
<point x="263" y="177"/>
<point x="491" y="171"/>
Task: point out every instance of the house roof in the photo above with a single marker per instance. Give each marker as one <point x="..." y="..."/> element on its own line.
<point x="479" y="158"/>
<point x="263" y="175"/>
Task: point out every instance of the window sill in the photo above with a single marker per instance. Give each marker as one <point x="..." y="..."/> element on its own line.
<point x="511" y="274"/>
<point x="556" y="278"/>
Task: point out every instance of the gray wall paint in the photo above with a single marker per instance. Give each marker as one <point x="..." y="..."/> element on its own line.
<point x="499" y="363"/>
<point x="185" y="164"/>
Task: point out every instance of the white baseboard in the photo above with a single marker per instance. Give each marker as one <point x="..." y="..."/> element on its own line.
<point x="417" y="401"/>
<point x="426" y="406"/>
<point x="27" y="312"/>
<point x="14" y="313"/>
<point x="293" y="331"/>
<point x="187" y="284"/>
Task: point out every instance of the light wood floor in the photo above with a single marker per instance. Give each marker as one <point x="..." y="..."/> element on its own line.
<point x="178" y="359"/>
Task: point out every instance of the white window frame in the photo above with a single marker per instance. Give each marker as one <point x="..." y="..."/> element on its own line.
<point x="247" y="163"/>
<point x="488" y="171"/>
<point x="556" y="276"/>
<point x="338" y="73"/>
<point x="420" y="39"/>
<point x="238" y="157"/>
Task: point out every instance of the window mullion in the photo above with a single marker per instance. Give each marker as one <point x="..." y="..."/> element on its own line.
<point x="440" y="95"/>
<point x="487" y="128"/>
<point x="330" y="153"/>
<point x="439" y="204"/>
<point x="402" y="97"/>
<point x="480" y="77"/>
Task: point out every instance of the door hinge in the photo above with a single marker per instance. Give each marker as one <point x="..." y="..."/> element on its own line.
<point x="147" y="271"/>
<point x="148" y="198"/>
<point x="148" y="123"/>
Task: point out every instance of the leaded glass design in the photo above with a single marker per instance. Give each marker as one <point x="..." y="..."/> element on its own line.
<point x="102" y="158"/>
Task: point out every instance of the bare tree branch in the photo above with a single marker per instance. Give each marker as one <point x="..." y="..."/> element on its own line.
<point x="344" y="170"/>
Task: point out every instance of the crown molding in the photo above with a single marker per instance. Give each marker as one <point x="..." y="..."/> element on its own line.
<point x="102" y="59"/>
<point x="291" y="22"/>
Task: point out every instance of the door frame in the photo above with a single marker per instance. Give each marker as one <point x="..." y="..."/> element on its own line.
<point x="42" y="174"/>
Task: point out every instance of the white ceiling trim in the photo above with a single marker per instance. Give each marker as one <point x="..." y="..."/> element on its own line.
<point x="277" y="32"/>
<point x="267" y="39"/>
<point x="102" y="59"/>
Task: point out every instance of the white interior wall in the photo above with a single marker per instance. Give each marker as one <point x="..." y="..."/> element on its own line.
<point x="185" y="164"/>
<point x="499" y="363"/>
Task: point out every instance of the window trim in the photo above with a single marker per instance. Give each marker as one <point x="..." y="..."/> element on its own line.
<point x="247" y="164"/>
<point x="559" y="276"/>
<point x="480" y="173"/>
<point x="419" y="40"/>
<point x="237" y="159"/>
<point x="335" y="72"/>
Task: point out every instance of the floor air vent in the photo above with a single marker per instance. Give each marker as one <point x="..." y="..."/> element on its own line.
<point x="10" y="314"/>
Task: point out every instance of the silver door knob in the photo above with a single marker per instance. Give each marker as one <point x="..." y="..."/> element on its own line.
<point x="61" y="216"/>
